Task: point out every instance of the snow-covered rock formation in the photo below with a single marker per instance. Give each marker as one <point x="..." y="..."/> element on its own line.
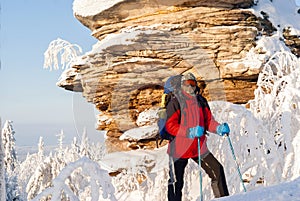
<point x="141" y="43"/>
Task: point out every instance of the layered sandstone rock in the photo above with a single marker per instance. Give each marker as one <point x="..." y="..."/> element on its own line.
<point x="144" y="42"/>
<point x="292" y="40"/>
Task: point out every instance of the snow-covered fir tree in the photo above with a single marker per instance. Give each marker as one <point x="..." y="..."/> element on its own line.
<point x="47" y="169"/>
<point x="43" y="175"/>
<point x="12" y="188"/>
<point x="2" y="169"/>
<point x="61" y="137"/>
<point x="8" y="140"/>
<point x="10" y="162"/>
<point x="41" y="147"/>
<point x="28" y="167"/>
<point x="84" y="146"/>
<point x="74" y="145"/>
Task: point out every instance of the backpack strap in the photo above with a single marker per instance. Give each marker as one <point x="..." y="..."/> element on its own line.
<point x="202" y="102"/>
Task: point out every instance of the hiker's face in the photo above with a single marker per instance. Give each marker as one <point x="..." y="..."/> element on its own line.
<point x="189" y="86"/>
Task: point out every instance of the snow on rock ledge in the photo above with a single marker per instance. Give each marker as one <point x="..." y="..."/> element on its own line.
<point x="140" y="133"/>
<point x="92" y="7"/>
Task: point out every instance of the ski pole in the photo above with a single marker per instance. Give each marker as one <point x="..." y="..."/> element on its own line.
<point x="237" y="165"/>
<point x="200" y="173"/>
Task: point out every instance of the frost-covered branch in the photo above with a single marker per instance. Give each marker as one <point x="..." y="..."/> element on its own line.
<point x="276" y="103"/>
<point x="278" y="79"/>
<point x="98" y="178"/>
<point x="61" y="53"/>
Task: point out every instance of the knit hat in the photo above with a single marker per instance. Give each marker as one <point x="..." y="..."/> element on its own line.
<point x="188" y="76"/>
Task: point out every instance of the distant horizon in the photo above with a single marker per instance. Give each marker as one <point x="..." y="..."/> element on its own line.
<point x="29" y="95"/>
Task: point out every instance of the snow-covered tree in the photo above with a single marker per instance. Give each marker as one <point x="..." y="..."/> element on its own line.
<point x="84" y="146"/>
<point x="43" y="172"/>
<point x="61" y="53"/>
<point x="8" y="140"/>
<point x="12" y="188"/>
<point x="29" y="166"/>
<point x="41" y="147"/>
<point x="10" y="162"/>
<point x="94" y="151"/>
<point x="2" y="168"/>
<point x="26" y="170"/>
<point x="277" y="103"/>
<point x="43" y="175"/>
<point x="61" y="137"/>
<point x="74" y="146"/>
<point x="92" y="181"/>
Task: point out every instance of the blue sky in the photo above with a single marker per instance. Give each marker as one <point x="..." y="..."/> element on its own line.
<point x="29" y="95"/>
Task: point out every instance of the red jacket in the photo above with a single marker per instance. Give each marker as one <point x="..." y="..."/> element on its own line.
<point x="195" y="112"/>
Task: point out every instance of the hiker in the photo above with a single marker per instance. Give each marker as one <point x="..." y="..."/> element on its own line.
<point x="189" y="117"/>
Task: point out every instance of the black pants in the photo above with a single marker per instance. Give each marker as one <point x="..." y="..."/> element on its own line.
<point x="210" y="165"/>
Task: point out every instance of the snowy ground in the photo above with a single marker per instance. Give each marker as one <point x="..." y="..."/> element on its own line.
<point x="285" y="191"/>
<point x="155" y="189"/>
<point x="126" y="187"/>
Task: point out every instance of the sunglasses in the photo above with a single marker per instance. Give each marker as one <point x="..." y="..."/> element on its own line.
<point x="192" y="83"/>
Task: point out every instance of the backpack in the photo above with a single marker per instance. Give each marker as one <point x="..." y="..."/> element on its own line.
<point x="172" y="85"/>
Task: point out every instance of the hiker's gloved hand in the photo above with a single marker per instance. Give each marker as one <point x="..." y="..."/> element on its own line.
<point x="194" y="132"/>
<point x="223" y="129"/>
